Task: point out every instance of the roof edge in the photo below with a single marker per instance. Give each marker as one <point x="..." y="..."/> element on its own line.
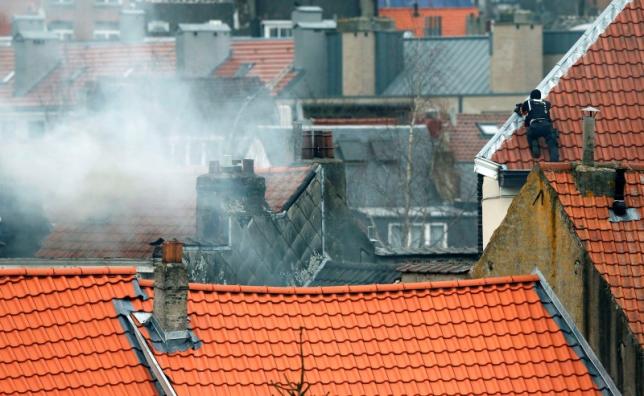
<point x="560" y="69"/>
<point x="67" y="271"/>
<point x="354" y="289"/>
<point x="596" y="369"/>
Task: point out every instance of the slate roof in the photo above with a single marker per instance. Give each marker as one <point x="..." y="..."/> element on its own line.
<point x="444" y="66"/>
<point x="334" y="273"/>
<point x="466" y="139"/>
<point x="88" y="61"/>
<point x="609" y="76"/>
<point x="616" y="248"/>
<point x="440" y="266"/>
<point x="127" y="232"/>
<point x="61" y="333"/>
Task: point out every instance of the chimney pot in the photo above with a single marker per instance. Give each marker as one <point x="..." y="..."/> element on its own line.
<point x="248" y="166"/>
<point x="173" y="252"/>
<point x="588" y="155"/>
<point x="213" y="167"/>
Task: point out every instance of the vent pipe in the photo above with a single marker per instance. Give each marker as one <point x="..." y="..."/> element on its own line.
<point x="588" y="144"/>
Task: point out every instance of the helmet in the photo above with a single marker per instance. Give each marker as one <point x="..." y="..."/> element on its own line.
<point x="535" y="94"/>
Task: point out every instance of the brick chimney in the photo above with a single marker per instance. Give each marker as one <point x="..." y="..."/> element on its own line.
<point x="36" y="55"/>
<point x="201" y="48"/>
<point x="317" y="144"/>
<point x="171" y="292"/>
<point x="132" y="25"/>
<point x="226" y="193"/>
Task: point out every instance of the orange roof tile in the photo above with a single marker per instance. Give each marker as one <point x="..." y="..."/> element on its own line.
<point x="60" y="334"/>
<point x="454" y="20"/>
<point x="608" y="76"/>
<point x="271" y="60"/>
<point x="616" y="249"/>
<point x="483" y="336"/>
<point x="140" y="219"/>
<point x="85" y="62"/>
<point x="466" y="139"/>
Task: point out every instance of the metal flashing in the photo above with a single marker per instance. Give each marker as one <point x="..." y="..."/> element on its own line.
<point x="486" y="167"/>
<point x="574" y="337"/>
<point x="632" y="214"/>
<point x="559" y="70"/>
<point x="170" y="341"/>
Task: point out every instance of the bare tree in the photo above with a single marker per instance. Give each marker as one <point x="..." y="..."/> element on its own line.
<point x="299" y="387"/>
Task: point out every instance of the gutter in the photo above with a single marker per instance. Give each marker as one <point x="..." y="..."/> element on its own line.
<point x="568" y="327"/>
<point x="552" y="78"/>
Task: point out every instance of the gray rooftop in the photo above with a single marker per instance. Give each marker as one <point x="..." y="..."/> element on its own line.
<point x="444" y="66"/>
<point x="334" y="273"/>
<point x="204" y="27"/>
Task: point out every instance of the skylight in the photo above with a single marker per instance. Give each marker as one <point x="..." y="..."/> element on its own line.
<point x="487" y="130"/>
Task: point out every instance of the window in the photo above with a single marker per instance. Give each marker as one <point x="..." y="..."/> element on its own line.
<point x="106" y="31"/>
<point x="420" y="235"/>
<point x="277" y="29"/>
<point x="433" y="26"/>
<point x="64" y="29"/>
<point x="158" y="27"/>
<point x="107" y="2"/>
<point x="487" y="130"/>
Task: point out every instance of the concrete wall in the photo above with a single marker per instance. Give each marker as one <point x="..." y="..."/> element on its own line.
<point x="537" y="233"/>
<point x="496" y="201"/>
<point x="311" y="56"/>
<point x="358" y="63"/>
<point x="517" y="57"/>
<point x="479" y="104"/>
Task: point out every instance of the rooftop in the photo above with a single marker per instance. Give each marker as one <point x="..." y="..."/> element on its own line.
<point x="468" y="134"/>
<point x="614" y="247"/>
<point x="62" y="332"/>
<point x="136" y="221"/>
<point x="606" y="75"/>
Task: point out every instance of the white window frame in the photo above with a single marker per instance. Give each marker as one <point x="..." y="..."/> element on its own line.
<point x="61" y="2"/>
<point x="427" y="227"/>
<point x="106" y="34"/>
<point x="64" y="34"/>
<point x="112" y="3"/>
<point x="428" y="234"/>
<point x="281" y="25"/>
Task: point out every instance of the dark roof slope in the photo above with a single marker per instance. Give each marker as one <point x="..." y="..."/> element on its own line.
<point x="334" y="273"/>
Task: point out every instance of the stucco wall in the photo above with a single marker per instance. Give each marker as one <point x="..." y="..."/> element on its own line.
<point x="496" y="201"/>
<point x="536" y="233"/>
<point x="358" y="64"/>
<point x="515" y="66"/>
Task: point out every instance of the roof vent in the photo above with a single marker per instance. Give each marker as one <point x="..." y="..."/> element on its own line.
<point x="619" y="211"/>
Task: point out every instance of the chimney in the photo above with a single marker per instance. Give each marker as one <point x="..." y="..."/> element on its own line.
<point x="27" y="23"/>
<point x="317" y="145"/>
<point x="36" y="55"/>
<point x="226" y="193"/>
<point x="517" y="54"/>
<point x="588" y="144"/>
<point x="310" y="41"/>
<point x="132" y="25"/>
<point x="201" y="48"/>
<point x="171" y="292"/>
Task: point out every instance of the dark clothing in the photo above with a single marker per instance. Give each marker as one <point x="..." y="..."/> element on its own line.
<point x="536" y="109"/>
<point x="543" y="129"/>
<point x="539" y="124"/>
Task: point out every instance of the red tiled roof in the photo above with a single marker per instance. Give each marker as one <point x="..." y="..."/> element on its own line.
<point x="127" y="231"/>
<point x="609" y="76"/>
<point x="617" y="248"/>
<point x="453" y="20"/>
<point x="60" y="333"/>
<point x="466" y="139"/>
<point x="271" y="61"/>
<point x="85" y="62"/>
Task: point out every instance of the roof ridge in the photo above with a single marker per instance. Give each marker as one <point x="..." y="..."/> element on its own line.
<point x="354" y="289"/>
<point x="67" y="271"/>
<point x="568" y="166"/>
<point x="561" y="68"/>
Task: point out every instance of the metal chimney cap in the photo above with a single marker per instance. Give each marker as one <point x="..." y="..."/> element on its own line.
<point x="592" y="111"/>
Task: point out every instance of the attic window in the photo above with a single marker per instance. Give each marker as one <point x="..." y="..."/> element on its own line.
<point x="487" y="130"/>
<point x="8" y="77"/>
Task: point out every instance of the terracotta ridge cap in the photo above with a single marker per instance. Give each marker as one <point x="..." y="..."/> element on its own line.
<point x="67" y="271"/>
<point x="353" y="289"/>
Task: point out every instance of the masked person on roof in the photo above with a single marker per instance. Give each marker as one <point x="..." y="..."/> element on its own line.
<point x="539" y="124"/>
